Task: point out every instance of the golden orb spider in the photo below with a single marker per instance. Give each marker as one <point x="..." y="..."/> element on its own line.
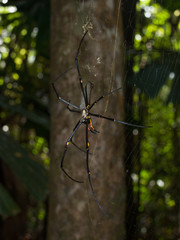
<point x="85" y="118"/>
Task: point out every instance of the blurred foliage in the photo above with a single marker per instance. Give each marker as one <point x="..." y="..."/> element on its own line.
<point x="168" y="4"/>
<point x="7" y="205"/>
<point x="159" y="164"/>
<point x="151" y="78"/>
<point x="157" y="47"/>
<point x="156" y="79"/>
<point x="30" y="172"/>
<point x="24" y="103"/>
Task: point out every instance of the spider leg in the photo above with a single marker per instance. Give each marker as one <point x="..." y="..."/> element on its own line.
<point x="55" y="90"/>
<point x="94" y="131"/>
<point x="78" y="70"/>
<point x="88" y="172"/>
<point x="63" y="100"/>
<point x="109" y="93"/>
<point x="114" y="120"/>
<point x="62" y="74"/>
<point x="79" y="147"/>
<point x="65" y="149"/>
<point x="91" y="128"/>
<point x="73" y="110"/>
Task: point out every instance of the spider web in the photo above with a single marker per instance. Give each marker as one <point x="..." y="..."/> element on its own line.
<point x="151" y="87"/>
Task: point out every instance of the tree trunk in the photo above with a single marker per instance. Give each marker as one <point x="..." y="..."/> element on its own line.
<point x="73" y="212"/>
<point x="129" y="20"/>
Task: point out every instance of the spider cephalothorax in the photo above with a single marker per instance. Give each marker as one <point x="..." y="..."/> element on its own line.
<point x="86" y="115"/>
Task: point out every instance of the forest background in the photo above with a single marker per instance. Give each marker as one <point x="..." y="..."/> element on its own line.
<point x="136" y="171"/>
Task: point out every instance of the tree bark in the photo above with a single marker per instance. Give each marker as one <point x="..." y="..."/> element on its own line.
<point x="129" y="21"/>
<point x="73" y="212"/>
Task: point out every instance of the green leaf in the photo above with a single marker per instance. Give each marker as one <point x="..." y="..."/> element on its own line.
<point x="7" y="205"/>
<point x="31" y="173"/>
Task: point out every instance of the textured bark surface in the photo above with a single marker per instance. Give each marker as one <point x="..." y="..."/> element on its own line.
<point x="73" y="212"/>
